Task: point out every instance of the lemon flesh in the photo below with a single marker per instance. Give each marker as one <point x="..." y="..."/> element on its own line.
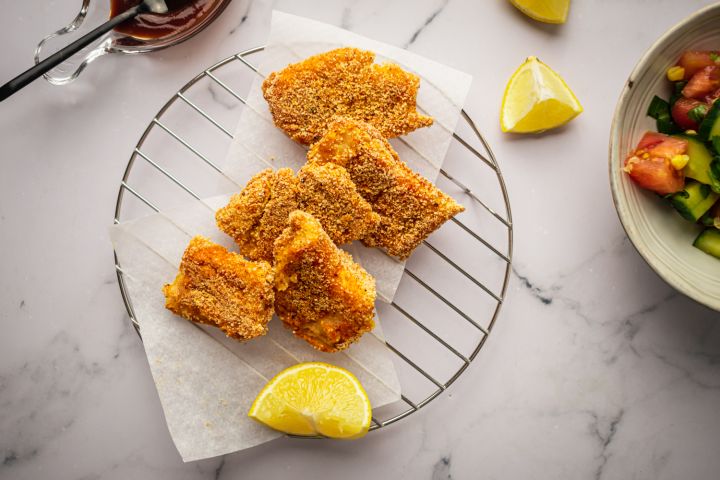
<point x="548" y="11"/>
<point x="537" y="99"/>
<point x="314" y="398"/>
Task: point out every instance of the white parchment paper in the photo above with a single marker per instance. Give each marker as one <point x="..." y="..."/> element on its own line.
<point x="207" y="382"/>
<point x="258" y="144"/>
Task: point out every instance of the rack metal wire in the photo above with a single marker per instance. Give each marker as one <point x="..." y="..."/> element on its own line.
<point x="408" y="356"/>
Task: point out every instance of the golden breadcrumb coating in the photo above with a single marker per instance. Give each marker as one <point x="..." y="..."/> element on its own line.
<point x="304" y="97"/>
<point x="410" y="207"/>
<point x="220" y="288"/>
<point x="256" y="216"/>
<point x="328" y="193"/>
<point x="321" y="294"/>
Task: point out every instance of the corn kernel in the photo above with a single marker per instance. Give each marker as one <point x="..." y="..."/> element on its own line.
<point x="629" y="164"/>
<point x="690" y="132"/>
<point x="676" y="73"/>
<point x="645" y="155"/>
<point x="679" y="161"/>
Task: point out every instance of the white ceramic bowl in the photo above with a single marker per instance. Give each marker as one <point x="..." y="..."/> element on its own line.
<point x="659" y="234"/>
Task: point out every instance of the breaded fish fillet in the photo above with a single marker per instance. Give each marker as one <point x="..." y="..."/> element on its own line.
<point x="322" y="295"/>
<point x="220" y="288"/>
<point x="328" y="193"/>
<point x="257" y="216"/>
<point x="304" y="97"/>
<point x="410" y="207"/>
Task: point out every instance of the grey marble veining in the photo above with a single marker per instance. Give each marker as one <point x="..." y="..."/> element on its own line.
<point x="596" y="369"/>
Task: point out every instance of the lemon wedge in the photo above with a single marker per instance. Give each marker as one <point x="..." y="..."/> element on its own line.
<point x="314" y="398"/>
<point x="537" y="99"/>
<point x="548" y="11"/>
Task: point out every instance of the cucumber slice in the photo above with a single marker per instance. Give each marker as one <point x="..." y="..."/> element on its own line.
<point x="694" y="200"/>
<point x="714" y="172"/>
<point x="710" y="126"/>
<point x="700" y="159"/>
<point x="709" y="242"/>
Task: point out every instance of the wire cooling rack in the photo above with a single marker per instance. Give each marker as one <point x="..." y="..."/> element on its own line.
<point x="453" y="286"/>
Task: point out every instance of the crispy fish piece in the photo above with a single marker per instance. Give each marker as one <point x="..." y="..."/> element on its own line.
<point x="257" y="215"/>
<point x="328" y="193"/>
<point x="221" y="288"/>
<point x="322" y="295"/>
<point x="304" y="97"/>
<point x="410" y="207"/>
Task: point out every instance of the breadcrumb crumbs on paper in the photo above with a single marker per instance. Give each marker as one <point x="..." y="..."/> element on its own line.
<point x="221" y="288"/>
<point x="410" y="206"/>
<point x="304" y="97"/>
<point x="322" y="295"/>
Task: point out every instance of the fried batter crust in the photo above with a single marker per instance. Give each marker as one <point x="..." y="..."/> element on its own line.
<point x="256" y="216"/>
<point x="304" y="97"/>
<point x="220" y="288"/>
<point x="322" y="295"/>
<point x="410" y="207"/>
<point x="328" y="193"/>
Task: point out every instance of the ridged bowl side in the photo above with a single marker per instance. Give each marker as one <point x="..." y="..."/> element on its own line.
<point x="661" y="236"/>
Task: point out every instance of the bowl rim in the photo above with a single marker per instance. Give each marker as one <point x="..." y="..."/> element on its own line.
<point x="646" y="253"/>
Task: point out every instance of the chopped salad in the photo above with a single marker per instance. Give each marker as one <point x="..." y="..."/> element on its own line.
<point x="681" y="161"/>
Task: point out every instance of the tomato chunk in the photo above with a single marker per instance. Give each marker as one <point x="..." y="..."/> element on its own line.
<point x="651" y="139"/>
<point x="693" y="61"/>
<point x="680" y="113"/>
<point x="669" y="147"/>
<point x="703" y="83"/>
<point x="649" y="165"/>
<point x="656" y="174"/>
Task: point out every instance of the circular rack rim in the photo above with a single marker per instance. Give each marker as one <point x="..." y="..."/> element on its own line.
<point x="490" y="161"/>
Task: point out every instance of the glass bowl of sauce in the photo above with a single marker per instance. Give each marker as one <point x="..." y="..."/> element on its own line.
<point x="151" y="31"/>
<point x="145" y="33"/>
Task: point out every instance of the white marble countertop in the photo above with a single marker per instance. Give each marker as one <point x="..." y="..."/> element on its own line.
<point x="596" y="368"/>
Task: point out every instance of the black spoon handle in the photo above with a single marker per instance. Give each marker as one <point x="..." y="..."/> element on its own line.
<point x="58" y="57"/>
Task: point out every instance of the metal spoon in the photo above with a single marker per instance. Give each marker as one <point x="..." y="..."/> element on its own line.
<point x="154" y="6"/>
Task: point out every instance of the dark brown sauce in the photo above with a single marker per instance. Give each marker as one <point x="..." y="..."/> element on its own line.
<point x="182" y="15"/>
